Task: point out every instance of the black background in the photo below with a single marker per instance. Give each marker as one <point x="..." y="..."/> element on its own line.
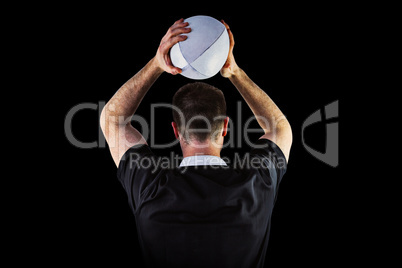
<point x="295" y="53"/>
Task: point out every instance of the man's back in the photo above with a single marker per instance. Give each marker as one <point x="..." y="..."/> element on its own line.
<point x="203" y="216"/>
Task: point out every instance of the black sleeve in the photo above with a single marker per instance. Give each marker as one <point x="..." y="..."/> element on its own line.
<point x="271" y="160"/>
<point x="136" y="171"/>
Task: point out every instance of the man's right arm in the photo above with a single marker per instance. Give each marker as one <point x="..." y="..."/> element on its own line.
<point x="275" y="125"/>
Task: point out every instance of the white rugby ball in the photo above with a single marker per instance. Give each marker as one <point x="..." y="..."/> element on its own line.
<point x="205" y="50"/>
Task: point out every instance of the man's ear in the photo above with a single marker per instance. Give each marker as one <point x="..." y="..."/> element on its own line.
<point x="175" y="130"/>
<point x="225" y="126"/>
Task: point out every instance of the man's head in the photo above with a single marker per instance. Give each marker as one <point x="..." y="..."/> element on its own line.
<point x="200" y="113"/>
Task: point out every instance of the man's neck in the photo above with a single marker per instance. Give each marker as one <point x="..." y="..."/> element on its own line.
<point x="198" y="148"/>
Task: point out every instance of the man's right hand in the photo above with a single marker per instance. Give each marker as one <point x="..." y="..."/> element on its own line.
<point x="172" y="37"/>
<point x="230" y="67"/>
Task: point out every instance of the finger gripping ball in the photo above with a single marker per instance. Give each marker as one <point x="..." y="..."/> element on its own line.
<point x="205" y="51"/>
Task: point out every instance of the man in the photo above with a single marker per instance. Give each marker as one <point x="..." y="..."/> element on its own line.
<point x="202" y="213"/>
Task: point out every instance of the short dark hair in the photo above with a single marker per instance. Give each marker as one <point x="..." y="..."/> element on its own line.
<point x="202" y="111"/>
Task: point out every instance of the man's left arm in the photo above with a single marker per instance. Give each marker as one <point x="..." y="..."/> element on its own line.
<point x="116" y="116"/>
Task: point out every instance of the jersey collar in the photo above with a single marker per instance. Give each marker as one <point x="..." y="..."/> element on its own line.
<point x="202" y="160"/>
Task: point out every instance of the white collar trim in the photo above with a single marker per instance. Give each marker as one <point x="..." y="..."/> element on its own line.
<point x="202" y="160"/>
